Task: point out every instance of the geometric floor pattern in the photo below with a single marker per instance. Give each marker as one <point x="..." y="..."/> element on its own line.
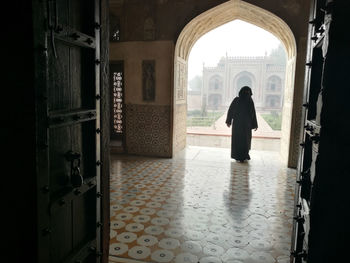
<point x="201" y="206"/>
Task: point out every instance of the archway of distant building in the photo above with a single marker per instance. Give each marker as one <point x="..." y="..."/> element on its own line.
<point x="209" y="20"/>
<point x="244" y="78"/>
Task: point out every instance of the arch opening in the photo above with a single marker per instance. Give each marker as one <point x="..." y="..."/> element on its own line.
<point x="209" y="20"/>
<point x="244" y="78"/>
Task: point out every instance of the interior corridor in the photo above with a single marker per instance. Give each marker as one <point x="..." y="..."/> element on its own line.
<point x="201" y="206"/>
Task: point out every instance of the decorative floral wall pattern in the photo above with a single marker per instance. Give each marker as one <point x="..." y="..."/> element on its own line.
<point x="181" y="79"/>
<point x="148" y="130"/>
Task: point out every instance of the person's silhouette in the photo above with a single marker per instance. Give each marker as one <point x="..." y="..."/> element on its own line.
<point x="242" y="116"/>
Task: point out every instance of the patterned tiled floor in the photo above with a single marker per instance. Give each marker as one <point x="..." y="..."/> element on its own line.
<point x="201" y="206"/>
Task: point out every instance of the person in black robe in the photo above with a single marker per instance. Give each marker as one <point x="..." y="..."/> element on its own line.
<point x="242" y="116"/>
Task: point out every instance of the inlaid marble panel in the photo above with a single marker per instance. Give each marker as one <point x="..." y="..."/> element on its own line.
<point x="148" y="130"/>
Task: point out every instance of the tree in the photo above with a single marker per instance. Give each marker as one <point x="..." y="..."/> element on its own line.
<point x="204" y="106"/>
<point x="279" y="55"/>
<point x="195" y="84"/>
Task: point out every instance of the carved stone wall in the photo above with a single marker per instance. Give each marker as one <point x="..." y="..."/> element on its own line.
<point x="133" y="54"/>
<point x="181" y="80"/>
<point x="297" y="121"/>
<point x="172" y="15"/>
<point x="148" y="130"/>
<point x="180" y="116"/>
<point x="180" y="105"/>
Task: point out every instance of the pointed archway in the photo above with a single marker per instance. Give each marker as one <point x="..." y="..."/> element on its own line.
<point x="209" y="20"/>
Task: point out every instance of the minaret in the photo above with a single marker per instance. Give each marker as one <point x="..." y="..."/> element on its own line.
<point x="227" y="99"/>
<point x="204" y="92"/>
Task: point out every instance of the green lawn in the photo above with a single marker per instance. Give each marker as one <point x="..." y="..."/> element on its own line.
<point x="195" y="118"/>
<point x="274" y="120"/>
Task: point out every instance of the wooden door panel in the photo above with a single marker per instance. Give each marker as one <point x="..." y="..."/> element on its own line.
<point x="78" y="138"/>
<point x="82" y="21"/>
<point x="88" y="79"/>
<point x="75" y="77"/>
<point x="83" y="142"/>
<point x="82" y="77"/>
<point x="59" y="168"/>
<point x="63" y="14"/>
<point x="67" y="88"/>
<point x="71" y="78"/>
<point x="61" y="237"/>
<point x="309" y="196"/>
<point x="88" y="148"/>
<point x="58" y="77"/>
<point x="307" y="154"/>
<point x="77" y="14"/>
<point x="315" y="83"/>
<point x="84" y="218"/>
<point x="75" y="7"/>
<point x="73" y="108"/>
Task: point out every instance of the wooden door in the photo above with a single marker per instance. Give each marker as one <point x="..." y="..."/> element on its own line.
<point x="68" y="130"/>
<point x="312" y="106"/>
<point x="321" y="224"/>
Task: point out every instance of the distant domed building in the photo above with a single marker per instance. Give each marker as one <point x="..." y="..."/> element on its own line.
<point x="265" y="75"/>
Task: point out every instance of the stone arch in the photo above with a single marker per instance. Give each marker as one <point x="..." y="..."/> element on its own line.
<point x="207" y="21"/>
<point x="237" y="83"/>
<point x="274" y="83"/>
<point x="215" y="83"/>
<point x="272" y="101"/>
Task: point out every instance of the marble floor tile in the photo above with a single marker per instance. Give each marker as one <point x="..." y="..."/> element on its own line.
<point x="201" y="206"/>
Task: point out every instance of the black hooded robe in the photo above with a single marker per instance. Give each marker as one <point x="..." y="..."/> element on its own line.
<point x="242" y="116"/>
